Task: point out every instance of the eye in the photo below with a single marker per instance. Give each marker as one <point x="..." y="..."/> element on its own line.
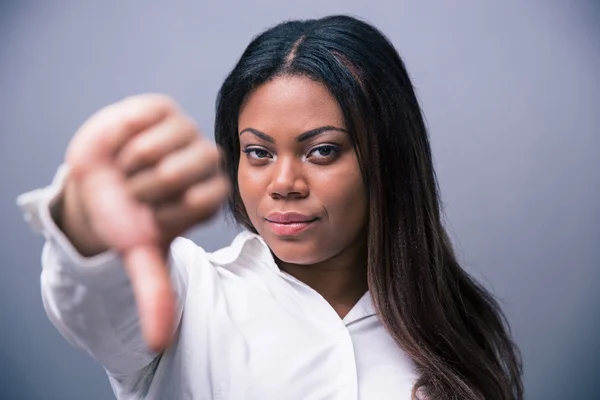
<point x="323" y="153"/>
<point x="256" y="153"/>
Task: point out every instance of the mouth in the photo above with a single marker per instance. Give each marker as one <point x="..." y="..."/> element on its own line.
<point x="290" y="223"/>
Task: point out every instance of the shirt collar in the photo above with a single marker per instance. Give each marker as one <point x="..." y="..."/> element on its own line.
<point x="251" y="242"/>
<point x="245" y="242"/>
<point x="362" y="309"/>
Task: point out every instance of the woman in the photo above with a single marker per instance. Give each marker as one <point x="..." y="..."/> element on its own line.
<point x="344" y="284"/>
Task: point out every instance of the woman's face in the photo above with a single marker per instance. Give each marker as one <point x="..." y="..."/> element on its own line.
<point x="298" y="174"/>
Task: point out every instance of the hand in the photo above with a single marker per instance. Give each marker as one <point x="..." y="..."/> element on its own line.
<point x="140" y="175"/>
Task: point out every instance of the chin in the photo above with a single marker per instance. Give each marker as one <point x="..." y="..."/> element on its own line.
<point x="295" y="252"/>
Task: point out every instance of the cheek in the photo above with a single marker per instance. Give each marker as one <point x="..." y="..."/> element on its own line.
<point x="344" y="196"/>
<point x="251" y="188"/>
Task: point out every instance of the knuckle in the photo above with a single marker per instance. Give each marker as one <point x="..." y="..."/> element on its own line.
<point x="164" y="100"/>
<point x="189" y="126"/>
<point x="210" y="153"/>
<point x="144" y="152"/>
<point x="135" y="106"/>
<point x="203" y="201"/>
<point x="208" y="196"/>
<point x="167" y="175"/>
<point x="223" y="186"/>
<point x="128" y="117"/>
<point x="195" y="199"/>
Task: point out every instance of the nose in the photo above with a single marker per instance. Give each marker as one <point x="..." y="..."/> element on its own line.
<point x="288" y="180"/>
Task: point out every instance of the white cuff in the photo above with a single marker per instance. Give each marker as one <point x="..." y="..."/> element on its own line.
<point x="35" y="206"/>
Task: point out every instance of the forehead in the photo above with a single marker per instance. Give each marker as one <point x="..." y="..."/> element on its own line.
<point x="290" y="104"/>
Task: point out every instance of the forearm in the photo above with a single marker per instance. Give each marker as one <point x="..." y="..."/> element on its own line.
<point x="89" y="299"/>
<point x="93" y="307"/>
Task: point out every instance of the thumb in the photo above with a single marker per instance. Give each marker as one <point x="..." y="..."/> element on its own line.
<point x="153" y="293"/>
<point x="129" y="227"/>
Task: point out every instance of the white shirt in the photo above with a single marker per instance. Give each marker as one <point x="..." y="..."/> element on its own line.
<point x="246" y="329"/>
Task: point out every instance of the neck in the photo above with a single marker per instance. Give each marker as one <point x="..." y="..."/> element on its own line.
<point x="341" y="280"/>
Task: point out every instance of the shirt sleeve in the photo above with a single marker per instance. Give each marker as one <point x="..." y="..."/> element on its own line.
<point x="90" y="299"/>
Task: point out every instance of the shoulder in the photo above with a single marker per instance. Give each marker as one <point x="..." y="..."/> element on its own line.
<point x="246" y="259"/>
<point x="245" y="244"/>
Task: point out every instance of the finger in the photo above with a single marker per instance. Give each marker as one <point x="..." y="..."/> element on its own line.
<point x="117" y="218"/>
<point x="176" y="172"/>
<point x="154" y="294"/>
<point x="101" y="136"/>
<point x="198" y="204"/>
<point x="148" y="148"/>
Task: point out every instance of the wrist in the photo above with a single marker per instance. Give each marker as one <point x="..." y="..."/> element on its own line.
<point x="70" y="217"/>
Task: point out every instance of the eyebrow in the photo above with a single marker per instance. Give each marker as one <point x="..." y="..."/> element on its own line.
<point x="300" y="138"/>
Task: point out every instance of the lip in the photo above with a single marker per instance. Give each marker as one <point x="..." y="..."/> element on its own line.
<point x="289" y="217"/>
<point x="289" y="223"/>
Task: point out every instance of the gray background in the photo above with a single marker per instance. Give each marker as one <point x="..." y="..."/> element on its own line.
<point x="511" y="93"/>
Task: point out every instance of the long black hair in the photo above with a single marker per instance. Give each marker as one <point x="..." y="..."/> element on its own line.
<point x="450" y="325"/>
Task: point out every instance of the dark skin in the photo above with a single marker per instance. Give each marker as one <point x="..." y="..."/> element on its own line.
<point x="296" y="156"/>
<point x="341" y="280"/>
<point x="141" y="174"/>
